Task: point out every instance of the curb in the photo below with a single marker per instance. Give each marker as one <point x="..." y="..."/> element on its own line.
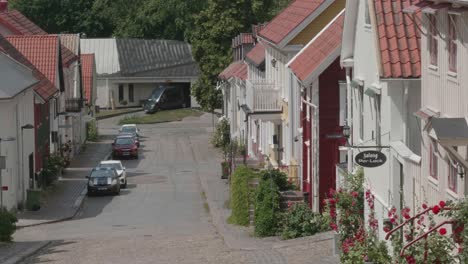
<point x="27" y="253"/>
<point x="76" y="205"/>
<point x="118" y="114"/>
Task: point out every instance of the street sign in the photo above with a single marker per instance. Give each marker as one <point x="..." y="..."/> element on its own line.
<point x="370" y="158"/>
<point x="2" y="162"/>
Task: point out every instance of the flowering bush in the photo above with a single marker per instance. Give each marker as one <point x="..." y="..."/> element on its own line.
<point x="436" y="247"/>
<point x="459" y="215"/>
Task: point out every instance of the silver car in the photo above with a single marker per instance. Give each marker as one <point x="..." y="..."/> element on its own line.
<point x="121" y="170"/>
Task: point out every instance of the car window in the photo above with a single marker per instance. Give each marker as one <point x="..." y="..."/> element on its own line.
<point x="128" y="129"/>
<point x="124" y="141"/>
<point x="172" y="94"/>
<point x="101" y="173"/>
<point x="117" y="166"/>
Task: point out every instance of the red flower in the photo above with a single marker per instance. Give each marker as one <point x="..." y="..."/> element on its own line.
<point x="436" y="209"/>
<point x="442" y="231"/>
<point x="460" y="250"/>
<point x="393" y="220"/>
<point x="406" y="216"/>
<point x="354" y="194"/>
<point x="424" y="206"/>
<point x="333" y="226"/>
<point x="386" y="229"/>
<point x="332" y="201"/>
<point x="442" y="204"/>
<point x="332" y="192"/>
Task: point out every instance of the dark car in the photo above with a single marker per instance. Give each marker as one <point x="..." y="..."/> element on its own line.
<point x="124" y="146"/>
<point x="134" y="135"/>
<point x="165" y="97"/>
<point x="103" y="180"/>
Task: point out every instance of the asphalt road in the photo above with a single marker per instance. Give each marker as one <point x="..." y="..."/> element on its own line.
<point x="160" y="218"/>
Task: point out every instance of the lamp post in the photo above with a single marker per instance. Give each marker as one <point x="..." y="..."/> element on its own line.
<point x="2" y="166"/>
<point x="27" y="126"/>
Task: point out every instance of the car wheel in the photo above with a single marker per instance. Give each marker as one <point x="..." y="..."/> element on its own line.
<point x="125" y="184"/>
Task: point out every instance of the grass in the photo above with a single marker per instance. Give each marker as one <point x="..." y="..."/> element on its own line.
<point x="159" y="117"/>
<point x="106" y="113"/>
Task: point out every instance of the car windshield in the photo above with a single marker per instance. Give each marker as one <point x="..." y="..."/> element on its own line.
<point x="157" y="93"/>
<point x="128" y="129"/>
<point x="124" y="141"/>
<point x="117" y="166"/>
<point x="101" y="173"/>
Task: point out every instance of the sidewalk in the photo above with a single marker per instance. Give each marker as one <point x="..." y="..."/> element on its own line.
<point x="314" y="249"/>
<point x="65" y="199"/>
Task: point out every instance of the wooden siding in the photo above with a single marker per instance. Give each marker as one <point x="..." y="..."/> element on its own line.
<point x="318" y="24"/>
<point x="445" y="92"/>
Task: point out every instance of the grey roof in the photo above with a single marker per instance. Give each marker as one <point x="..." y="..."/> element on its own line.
<point x="105" y="52"/>
<point x="15" y="77"/>
<point x="154" y="58"/>
<point x="450" y="128"/>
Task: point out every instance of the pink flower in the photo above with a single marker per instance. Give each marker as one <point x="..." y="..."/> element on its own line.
<point x="460" y="250"/>
<point x="386" y="229"/>
<point x="332" y="201"/>
<point x="436" y="209"/>
<point x="442" y="204"/>
<point x="424" y="206"/>
<point x="442" y="231"/>
<point x="333" y="226"/>
<point x="290" y="204"/>
<point x="393" y="220"/>
<point x="354" y="194"/>
<point x="332" y="192"/>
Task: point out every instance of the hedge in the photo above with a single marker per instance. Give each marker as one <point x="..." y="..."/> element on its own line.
<point x="240" y="196"/>
<point x="267" y="208"/>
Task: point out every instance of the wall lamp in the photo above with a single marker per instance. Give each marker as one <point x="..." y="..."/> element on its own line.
<point x="273" y="63"/>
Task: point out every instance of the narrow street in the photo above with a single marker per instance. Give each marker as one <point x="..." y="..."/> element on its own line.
<point x="162" y="217"/>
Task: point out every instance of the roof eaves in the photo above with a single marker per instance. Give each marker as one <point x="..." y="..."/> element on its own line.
<point x="299" y="28"/>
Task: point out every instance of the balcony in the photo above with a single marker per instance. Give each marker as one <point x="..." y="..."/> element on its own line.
<point x="73" y="105"/>
<point x="263" y="96"/>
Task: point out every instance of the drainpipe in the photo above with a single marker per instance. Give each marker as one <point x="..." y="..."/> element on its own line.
<point x="349" y="118"/>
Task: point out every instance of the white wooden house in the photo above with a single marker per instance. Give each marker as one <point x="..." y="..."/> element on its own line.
<point x="17" y="141"/>
<point x="381" y="55"/>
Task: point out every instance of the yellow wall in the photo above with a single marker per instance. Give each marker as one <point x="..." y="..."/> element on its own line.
<point x="318" y="23"/>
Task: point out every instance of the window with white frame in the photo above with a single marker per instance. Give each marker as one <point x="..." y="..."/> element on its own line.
<point x="433" y="44"/>
<point x="452" y="43"/>
<point x="361" y="112"/>
<point x="367" y="14"/>
<point x="452" y="176"/>
<point x="433" y="159"/>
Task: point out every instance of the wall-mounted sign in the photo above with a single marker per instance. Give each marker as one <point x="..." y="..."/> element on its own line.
<point x="370" y="158"/>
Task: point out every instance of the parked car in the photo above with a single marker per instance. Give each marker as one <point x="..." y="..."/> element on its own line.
<point x="130" y="128"/>
<point x="165" y="97"/>
<point x="124" y="146"/>
<point x="103" y="180"/>
<point x="121" y="170"/>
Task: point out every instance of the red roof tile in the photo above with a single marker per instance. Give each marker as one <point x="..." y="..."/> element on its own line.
<point x="242" y="38"/>
<point x="236" y="69"/>
<point x="87" y="71"/>
<point x="40" y="50"/>
<point x="19" y="24"/>
<point x="319" y="50"/>
<point x="290" y="18"/>
<point x="256" y="55"/>
<point x="399" y="39"/>
<point x="67" y="56"/>
<point x="44" y="87"/>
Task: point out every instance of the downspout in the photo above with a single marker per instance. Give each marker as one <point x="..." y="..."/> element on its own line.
<point x="20" y="166"/>
<point x="349" y="118"/>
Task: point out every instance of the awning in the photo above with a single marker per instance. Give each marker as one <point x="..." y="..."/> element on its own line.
<point x="373" y="89"/>
<point x="451" y="131"/>
<point x="426" y="113"/>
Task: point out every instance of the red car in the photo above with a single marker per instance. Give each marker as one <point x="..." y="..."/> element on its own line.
<point x="124" y="146"/>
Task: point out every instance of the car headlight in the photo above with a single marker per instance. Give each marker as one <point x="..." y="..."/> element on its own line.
<point x="114" y="181"/>
<point x="90" y="183"/>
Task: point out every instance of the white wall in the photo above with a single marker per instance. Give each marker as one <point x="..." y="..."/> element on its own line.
<point x="14" y="114"/>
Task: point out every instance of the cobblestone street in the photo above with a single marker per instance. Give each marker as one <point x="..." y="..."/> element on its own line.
<point x="171" y="212"/>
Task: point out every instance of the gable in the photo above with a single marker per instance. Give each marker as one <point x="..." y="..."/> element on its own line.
<point x="318" y="23"/>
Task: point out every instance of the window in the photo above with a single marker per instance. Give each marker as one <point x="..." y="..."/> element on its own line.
<point x="378" y="132"/>
<point x="452" y="43"/>
<point x="433" y="159"/>
<point x="367" y="21"/>
<point x="361" y="112"/>
<point x="121" y="92"/>
<point x="433" y="45"/>
<point x="452" y="177"/>
<point x="130" y="93"/>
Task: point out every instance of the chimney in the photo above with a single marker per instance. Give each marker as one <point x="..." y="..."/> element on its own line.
<point x="3" y="5"/>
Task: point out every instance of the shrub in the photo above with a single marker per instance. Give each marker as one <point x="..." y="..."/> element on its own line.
<point x="52" y="169"/>
<point x="267" y="208"/>
<point x="240" y="196"/>
<point x="221" y="137"/>
<point x="7" y="225"/>
<point x="301" y="221"/>
<point x="92" y="131"/>
<point x="280" y="179"/>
